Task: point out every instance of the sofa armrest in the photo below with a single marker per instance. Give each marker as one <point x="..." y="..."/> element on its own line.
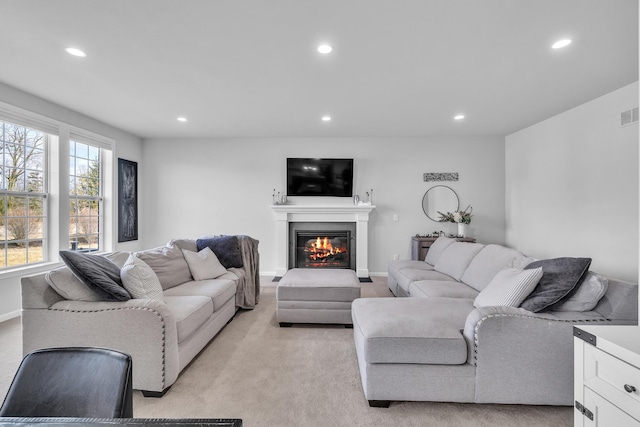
<point x="145" y="329"/>
<point x="523" y="357"/>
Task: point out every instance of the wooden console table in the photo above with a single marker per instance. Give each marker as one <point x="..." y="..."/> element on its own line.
<point x="420" y="245"/>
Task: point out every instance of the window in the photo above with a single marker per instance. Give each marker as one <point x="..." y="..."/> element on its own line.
<point x="23" y="186"/>
<point x="85" y="197"/>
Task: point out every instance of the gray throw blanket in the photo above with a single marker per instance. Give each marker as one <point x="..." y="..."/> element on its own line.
<point x="248" y="292"/>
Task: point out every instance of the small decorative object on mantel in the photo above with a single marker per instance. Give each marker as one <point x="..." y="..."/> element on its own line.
<point x="279" y="199"/>
<point x="446" y="176"/>
<point x="368" y="199"/>
<point x="462" y="218"/>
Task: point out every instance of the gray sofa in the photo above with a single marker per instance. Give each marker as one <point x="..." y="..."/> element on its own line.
<point x="162" y="336"/>
<point x="435" y="345"/>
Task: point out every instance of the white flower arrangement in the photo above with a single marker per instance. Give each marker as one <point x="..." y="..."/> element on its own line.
<point x="459" y="217"/>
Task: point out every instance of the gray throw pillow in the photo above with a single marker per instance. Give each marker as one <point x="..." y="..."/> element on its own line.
<point x="226" y="248"/>
<point x="560" y="277"/>
<point x="98" y="273"/>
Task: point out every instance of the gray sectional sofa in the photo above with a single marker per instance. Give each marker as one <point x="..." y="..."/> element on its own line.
<point x="432" y="344"/>
<point x="162" y="335"/>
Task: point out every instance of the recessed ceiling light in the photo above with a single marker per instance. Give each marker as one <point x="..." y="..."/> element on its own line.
<point x="458" y="117"/>
<point x="561" y="43"/>
<point x="326" y="118"/>
<point x="324" y="48"/>
<point x="182" y="119"/>
<point x="75" y="52"/>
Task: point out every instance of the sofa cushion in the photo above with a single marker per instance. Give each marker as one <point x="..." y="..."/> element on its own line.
<point x="184" y="244"/>
<point x="65" y="283"/>
<point x="487" y="263"/>
<point x="437" y="248"/>
<point x="98" y="273"/>
<point x="509" y="287"/>
<point x="408" y="275"/>
<point x="226" y="248"/>
<point x="168" y="263"/>
<point x="204" y="264"/>
<point x="140" y="280"/>
<point x="587" y="294"/>
<point x="235" y="274"/>
<point x="456" y="258"/>
<point x="440" y="288"/>
<point x="220" y="291"/>
<point x="412" y="330"/>
<point x="560" y="276"/>
<point x="190" y="313"/>
<point x="396" y="265"/>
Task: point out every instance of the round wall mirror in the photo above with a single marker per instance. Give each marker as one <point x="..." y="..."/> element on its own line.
<point x="439" y="198"/>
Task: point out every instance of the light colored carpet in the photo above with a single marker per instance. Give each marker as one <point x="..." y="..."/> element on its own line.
<point x="299" y="376"/>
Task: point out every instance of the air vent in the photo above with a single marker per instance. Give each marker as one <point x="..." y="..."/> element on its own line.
<point x="629" y="117"/>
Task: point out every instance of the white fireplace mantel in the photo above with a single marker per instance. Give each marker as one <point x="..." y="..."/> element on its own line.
<point x="324" y="213"/>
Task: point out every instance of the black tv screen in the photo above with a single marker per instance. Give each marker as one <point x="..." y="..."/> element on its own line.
<point x="320" y="177"/>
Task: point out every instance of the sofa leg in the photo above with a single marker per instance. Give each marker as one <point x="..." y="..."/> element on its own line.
<point x="148" y="393"/>
<point x="379" y="403"/>
<point x="286" y="324"/>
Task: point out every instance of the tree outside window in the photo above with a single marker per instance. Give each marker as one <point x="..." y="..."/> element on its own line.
<point x="85" y="192"/>
<point x="22" y="195"/>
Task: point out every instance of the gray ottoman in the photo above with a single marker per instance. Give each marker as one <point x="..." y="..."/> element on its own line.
<point x="311" y="295"/>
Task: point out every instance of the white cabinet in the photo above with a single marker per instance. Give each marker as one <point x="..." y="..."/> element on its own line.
<point x="607" y="376"/>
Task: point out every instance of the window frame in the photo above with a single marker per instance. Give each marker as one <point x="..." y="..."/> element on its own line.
<point x="99" y="198"/>
<point x="57" y="201"/>
<point x="22" y="193"/>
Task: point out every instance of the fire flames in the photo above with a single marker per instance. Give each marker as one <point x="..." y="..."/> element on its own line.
<point x="321" y="249"/>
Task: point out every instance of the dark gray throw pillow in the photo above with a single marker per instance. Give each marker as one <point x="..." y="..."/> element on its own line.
<point x="226" y="248"/>
<point x="98" y="273"/>
<point x="560" y="276"/>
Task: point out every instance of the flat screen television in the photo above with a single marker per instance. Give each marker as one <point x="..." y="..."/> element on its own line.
<point x="320" y="177"/>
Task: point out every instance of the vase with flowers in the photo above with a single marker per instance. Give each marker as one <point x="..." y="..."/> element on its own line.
<point x="462" y="218"/>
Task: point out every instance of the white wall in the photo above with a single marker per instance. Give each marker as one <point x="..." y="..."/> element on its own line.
<point x="127" y="146"/>
<point x="572" y="186"/>
<point x="198" y="187"/>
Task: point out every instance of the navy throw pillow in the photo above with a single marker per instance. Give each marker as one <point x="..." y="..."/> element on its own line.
<point x="98" y="273"/>
<point x="559" y="277"/>
<point x="226" y="248"/>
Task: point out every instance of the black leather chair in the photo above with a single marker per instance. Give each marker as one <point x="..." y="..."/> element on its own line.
<point x="71" y="382"/>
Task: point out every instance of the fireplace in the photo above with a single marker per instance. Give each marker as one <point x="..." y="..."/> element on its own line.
<point x="322" y="245"/>
<point x="357" y="216"/>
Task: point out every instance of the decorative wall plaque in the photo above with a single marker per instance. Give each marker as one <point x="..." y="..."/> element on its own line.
<point x="445" y="176"/>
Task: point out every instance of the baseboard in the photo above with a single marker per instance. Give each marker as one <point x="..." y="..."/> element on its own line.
<point x="378" y="274"/>
<point x="9" y="316"/>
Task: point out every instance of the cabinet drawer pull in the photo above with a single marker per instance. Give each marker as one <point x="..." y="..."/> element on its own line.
<point x="629" y="388"/>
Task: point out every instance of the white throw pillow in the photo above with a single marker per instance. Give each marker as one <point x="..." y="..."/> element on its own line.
<point x="204" y="264"/>
<point x="509" y="287"/>
<point x="140" y="279"/>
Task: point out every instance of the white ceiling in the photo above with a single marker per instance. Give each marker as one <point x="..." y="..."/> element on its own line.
<point x="249" y="68"/>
